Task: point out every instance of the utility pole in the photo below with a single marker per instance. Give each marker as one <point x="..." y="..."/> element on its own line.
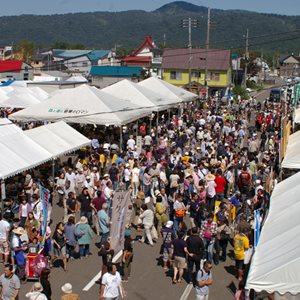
<point x="165" y="40"/>
<point x="246" y="58"/>
<point x="206" y="53"/>
<point x="190" y="23"/>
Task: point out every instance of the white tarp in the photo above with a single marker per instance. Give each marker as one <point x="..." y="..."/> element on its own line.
<point x="85" y="105"/>
<point x="168" y="90"/>
<point x="139" y="95"/>
<point x="18" y="152"/>
<point x="21" y="97"/>
<point x="77" y="78"/>
<point x="57" y="138"/>
<point x="292" y="155"/>
<point x="276" y="263"/>
<point x="23" y="150"/>
<point x="297" y="116"/>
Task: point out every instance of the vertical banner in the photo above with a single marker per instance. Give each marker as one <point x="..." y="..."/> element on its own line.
<point x="139" y="144"/>
<point x="121" y="201"/>
<point x="45" y="194"/>
<point x="256" y="227"/>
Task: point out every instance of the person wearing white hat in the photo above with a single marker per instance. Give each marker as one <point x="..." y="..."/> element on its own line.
<point x="168" y="235"/>
<point x="36" y="292"/>
<point x="68" y="294"/>
<point x="19" y="255"/>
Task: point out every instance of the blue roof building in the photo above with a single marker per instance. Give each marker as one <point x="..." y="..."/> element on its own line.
<point x="115" y="71"/>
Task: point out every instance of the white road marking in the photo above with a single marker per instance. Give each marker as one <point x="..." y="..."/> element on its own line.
<point x="187" y="291"/>
<point x="98" y="276"/>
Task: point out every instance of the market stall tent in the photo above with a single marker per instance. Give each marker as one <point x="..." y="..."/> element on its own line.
<point x="168" y="90"/>
<point x="292" y="155"/>
<point x="139" y="95"/>
<point x="24" y="150"/>
<point x="276" y="263"/>
<point x="84" y="105"/>
<point x="57" y="138"/>
<point x="297" y="116"/>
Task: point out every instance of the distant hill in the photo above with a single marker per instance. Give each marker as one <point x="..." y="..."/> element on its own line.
<point x="128" y="28"/>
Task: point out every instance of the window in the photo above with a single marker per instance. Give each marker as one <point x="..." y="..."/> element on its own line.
<point x="175" y="75"/>
<point x="215" y="76"/>
<point x="196" y="74"/>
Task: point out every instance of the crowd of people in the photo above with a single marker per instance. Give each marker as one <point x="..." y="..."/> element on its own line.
<point x="195" y="183"/>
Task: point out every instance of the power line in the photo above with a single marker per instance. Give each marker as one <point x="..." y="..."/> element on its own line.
<point x="202" y="51"/>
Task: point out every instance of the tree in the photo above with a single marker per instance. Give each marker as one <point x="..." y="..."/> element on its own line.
<point x="25" y="50"/>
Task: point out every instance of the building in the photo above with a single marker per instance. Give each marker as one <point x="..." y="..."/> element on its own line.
<point x="15" y="69"/>
<point x="104" y="76"/>
<point x="289" y="65"/>
<point x="175" y="65"/>
<point x="146" y="55"/>
<point x="5" y="52"/>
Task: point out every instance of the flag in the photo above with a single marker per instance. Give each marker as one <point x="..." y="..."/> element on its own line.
<point x="256" y="227"/>
<point x="45" y="195"/>
<point x="121" y="200"/>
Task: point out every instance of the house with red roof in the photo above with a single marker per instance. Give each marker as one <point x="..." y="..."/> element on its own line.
<point x="176" y="63"/>
<point x="146" y="55"/>
<point x="15" y="69"/>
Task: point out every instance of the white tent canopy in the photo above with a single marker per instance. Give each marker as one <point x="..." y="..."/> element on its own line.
<point x="83" y="104"/>
<point x="23" y="150"/>
<point x="292" y="156"/>
<point x="139" y="95"/>
<point x="21" y="97"/>
<point x="57" y="138"/>
<point x="77" y="78"/>
<point x="276" y="263"/>
<point x="168" y="90"/>
<point x="297" y="116"/>
<point x="18" y="152"/>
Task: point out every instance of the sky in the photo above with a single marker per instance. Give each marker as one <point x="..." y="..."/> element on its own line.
<point x="18" y="7"/>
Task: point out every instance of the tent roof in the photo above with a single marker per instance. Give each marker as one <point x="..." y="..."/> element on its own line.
<point x="139" y="95"/>
<point x="21" y="97"/>
<point x="292" y="156"/>
<point x="169" y="90"/>
<point x="57" y="138"/>
<point x="83" y="104"/>
<point x="297" y="116"/>
<point x="23" y="150"/>
<point x="276" y="262"/>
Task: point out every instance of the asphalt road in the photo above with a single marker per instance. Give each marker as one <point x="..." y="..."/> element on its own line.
<point x="148" y="279"/>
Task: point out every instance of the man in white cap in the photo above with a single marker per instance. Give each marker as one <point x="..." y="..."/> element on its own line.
<point x="68" y="294"/>
<point x="168" y="235"/>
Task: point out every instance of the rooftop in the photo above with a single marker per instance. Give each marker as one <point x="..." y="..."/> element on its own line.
<point x="217" y="59"/>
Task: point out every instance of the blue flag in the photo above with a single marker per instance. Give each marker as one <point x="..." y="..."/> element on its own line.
<point x="45" y="195"/>
<point x="256" y="227"/>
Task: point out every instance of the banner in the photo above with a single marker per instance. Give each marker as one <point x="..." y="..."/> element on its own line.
<point x="45" y="195"/>
<point x="256" y="227"/>
<point x="120" y="203"/>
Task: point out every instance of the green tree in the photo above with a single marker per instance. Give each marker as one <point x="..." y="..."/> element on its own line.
<point x="25" y="49"/>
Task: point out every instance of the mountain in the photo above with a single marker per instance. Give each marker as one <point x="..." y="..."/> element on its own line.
<point x="128" y="28"/>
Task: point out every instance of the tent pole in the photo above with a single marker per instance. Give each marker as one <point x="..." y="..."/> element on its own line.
<point x="137" y="128"/>
<point x="3" y="196"/>
<point x="121" y="140"/>
<point x="150" y="124"/>
<point x="53" y="171"/>
<point x="169" y="115"/>
<point x="157" y="116"/>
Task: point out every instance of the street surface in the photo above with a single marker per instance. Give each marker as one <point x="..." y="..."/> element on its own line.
<point x="148" y="279"/>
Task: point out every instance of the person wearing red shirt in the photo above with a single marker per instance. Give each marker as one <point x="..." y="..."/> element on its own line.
<point x="244" y="181"/>
<point x="220" y="188"/>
